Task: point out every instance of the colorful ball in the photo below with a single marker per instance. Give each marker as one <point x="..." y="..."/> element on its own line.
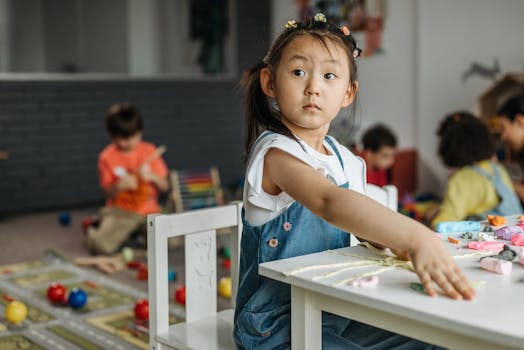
<point x="226" y="263"/>
<point x="171" y="275"/>
<point x="226" y="253"/>
<point x="77" y="298"/>
<point x="15" y="312"/>
<point x="224" y="287"/>
<point x="180" y="295"/>
<point x="64" y="218"/>
<point x="142" y="309"/>
<point x="56" y="293"/>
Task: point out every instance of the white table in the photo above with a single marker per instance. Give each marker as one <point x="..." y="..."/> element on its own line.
<point x="493" y="320"/>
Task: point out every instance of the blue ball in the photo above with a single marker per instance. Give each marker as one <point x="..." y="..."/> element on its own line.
<point x="64" y="218"/>
<point x="171" y="275"/>
<point x="77" y="298"/>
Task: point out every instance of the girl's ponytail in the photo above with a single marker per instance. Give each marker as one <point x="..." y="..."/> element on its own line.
<point x="260" y="115"/>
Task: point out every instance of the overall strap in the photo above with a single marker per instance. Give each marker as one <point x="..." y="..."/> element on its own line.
<point x="332" y="144"/>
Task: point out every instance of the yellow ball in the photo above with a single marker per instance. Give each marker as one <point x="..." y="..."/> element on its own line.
<point x="15" y="312"/>
<point x="224" y="287"/>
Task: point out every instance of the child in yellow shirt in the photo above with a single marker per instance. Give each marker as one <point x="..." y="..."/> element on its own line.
<point x="478" y="185"/>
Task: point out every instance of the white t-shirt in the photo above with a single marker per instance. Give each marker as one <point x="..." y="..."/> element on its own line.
<point x="261" y="207"/>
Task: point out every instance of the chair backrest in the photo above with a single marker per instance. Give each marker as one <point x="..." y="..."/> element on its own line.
<point x="387" y="196"/>
<point x="199" y="229"/>
<point x="195" y="189"/>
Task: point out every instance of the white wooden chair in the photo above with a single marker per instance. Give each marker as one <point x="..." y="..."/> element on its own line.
<point x="387" y="196"/>
<point x="204" y="327"/>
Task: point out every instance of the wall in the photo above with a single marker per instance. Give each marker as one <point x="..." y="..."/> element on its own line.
<point x="54" y="129"/>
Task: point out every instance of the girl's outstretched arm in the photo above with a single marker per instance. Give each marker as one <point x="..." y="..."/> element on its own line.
<point x="357" y="213"/>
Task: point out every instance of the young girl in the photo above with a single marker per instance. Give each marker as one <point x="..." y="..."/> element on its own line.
<point x="479" y="186"/>
<point x="296" y="197"/>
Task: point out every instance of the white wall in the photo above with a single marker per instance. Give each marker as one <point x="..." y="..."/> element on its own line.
<point x="451" y="35"/>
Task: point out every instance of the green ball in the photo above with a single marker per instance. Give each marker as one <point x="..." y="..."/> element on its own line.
<point x="227" y="253"/>
<point x="127" y="254"/>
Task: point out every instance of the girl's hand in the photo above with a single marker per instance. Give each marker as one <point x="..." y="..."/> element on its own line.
<point x="432" y="262"/>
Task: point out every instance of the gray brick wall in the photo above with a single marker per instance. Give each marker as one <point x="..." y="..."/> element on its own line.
<point x="54" y="130"/>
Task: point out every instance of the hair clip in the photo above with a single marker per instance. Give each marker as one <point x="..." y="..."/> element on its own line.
<point x="291" y="24"/>
<point x="357" y="52"/>
<point x="320" y="17"/>
<point x="345" y="30"/>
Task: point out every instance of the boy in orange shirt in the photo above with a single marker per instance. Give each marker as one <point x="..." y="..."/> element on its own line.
<point x="132" y="173"/>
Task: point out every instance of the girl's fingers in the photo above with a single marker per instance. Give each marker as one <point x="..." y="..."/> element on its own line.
<point x="461" y="284"/>
<point x="425" y="279"/>
<point x="447" y="287"/>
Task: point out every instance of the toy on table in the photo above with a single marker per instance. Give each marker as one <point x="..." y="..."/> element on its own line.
<point x="77" y="298"/>
<point x="142" y="309"/>
<point x="56" y="293"/>
<point x="15" y="312"/>
<point x="180" y="295"/>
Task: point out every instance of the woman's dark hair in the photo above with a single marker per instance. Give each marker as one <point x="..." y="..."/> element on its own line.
<point x="260" y="114"/>
<point x="377" y="137"/>
<point x="464" y="140"/>
<point x="123" y="120"/>
<point x="512" y="107"/>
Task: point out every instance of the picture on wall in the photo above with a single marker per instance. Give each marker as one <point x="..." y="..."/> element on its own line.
<point x="361" y="16"/>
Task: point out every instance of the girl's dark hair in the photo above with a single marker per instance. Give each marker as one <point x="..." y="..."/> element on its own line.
<point x="464" y="140"/>
<point x="123" y="120"/>
<point x="260" y="114"/>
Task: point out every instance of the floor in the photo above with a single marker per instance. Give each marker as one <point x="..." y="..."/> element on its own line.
<point x="25" y="237"/>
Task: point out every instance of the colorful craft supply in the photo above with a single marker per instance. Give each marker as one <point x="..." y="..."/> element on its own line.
<point x="508" y="232"/>
<point x="496" y="265"/>
<point x="495" y="220"/>
<point x="486" y="245"/>
<point x="453" y="240"/>
<point x="419" y="287"/>
<point x="367" y="281"/>
<point x="485" y="237"/>
<point x="518" y="239"/>
<point x="457" y="226"/>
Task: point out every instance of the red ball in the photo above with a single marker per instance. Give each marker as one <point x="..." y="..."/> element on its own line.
<point x="227" y="263"/>
<point x="180" y="295"/>
<point x="142" y="309"/>
<point x="56" y="293"/>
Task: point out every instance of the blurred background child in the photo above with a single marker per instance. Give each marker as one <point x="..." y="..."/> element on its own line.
<point x="379" y="148"/>
<point x="478" y="185"/>
<point x="132" y="173"/>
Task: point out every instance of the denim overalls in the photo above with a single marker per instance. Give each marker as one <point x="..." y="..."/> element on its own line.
<point x="509" y="202"/>
<point x="263" y="305"/>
